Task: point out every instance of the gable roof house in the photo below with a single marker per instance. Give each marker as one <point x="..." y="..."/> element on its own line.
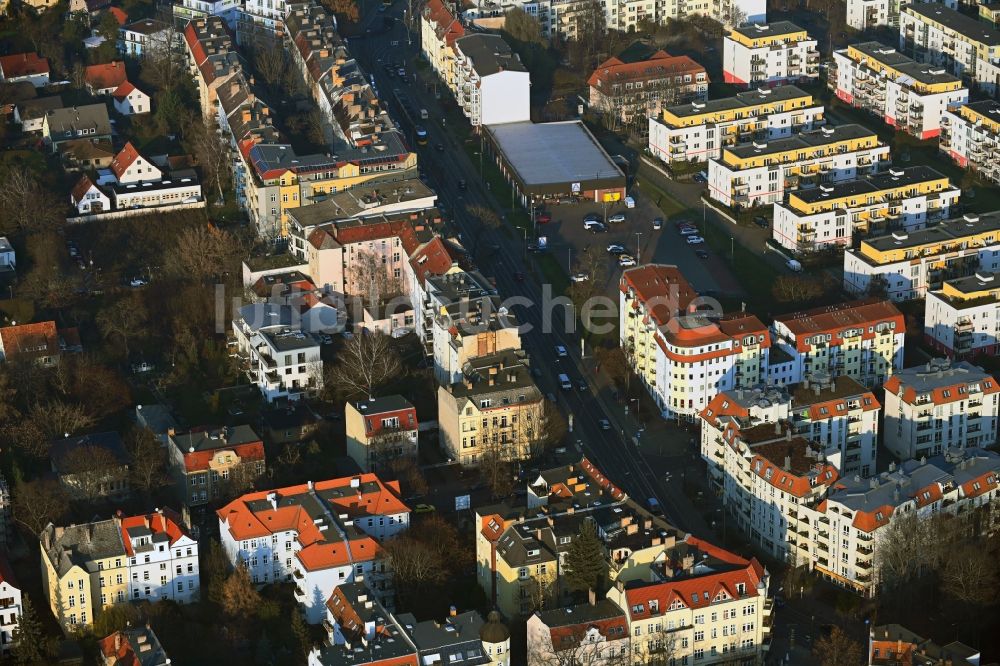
<point x="129" y="100"/>
<point x="28" y="67"/>
<point x="105" y="78"/>
<point x="88" y="198"/>
<point x="90" y="122"/>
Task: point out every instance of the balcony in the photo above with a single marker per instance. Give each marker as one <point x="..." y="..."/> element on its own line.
<point x="864" y="565"/>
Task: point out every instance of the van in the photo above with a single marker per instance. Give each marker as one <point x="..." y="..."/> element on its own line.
<point x="423" y="114"/>
<point x="565" y="383"/>
<point x="794" y="266"/>
<point x="654" y="506"/>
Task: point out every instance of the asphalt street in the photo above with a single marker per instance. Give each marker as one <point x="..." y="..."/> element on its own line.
<point x="614" y="450"/>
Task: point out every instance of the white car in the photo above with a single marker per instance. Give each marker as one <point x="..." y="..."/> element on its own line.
<point x="614" y="248"/>
<point x="657" y="224"/>
<point x="688" y="231"/>
<point x="579" y="277"/>
<point x="695" y="240"/>
<point x="588" y="224"/>
<point x="561" y="351"/>
<point x="617" y="218"/>
<point x="137" y="282"/>
<point x="626" y="260"/>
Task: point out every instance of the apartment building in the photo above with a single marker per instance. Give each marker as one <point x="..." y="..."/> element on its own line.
<point x="277" y="356"/>
<point x="496" y="410"/>
<point x="318" y="535"/>
<point x="962" y="319"/>
<point x="707" y="606"/>
<point x="970" y="135"/>
<point x="228" y="11"/>
<point x="261" y="23"/>
<point x="892" y="644"/>
<point x="90" y="567"/>
<point x="145" y="38"/>
<point x="491" y="84"/>
<point x="10" y="605"/>
<point x="520" y="550"/>
<point x="699" y="130"/>
<point x="464" y="322"/>
<point x="380" y="431"/>
<point x="906" y="265"/>
<point x="439" y="29"/>
<point x="761" y="172"/>
<point x="839" y="415"/>
<point x="845" y="526"/>
<point x="633" y="91"/>
<point x="945" y="37"/>
<point x="862" y="340"/>
<point x="938" y="406"/>
<point x="835" y="215"/>
<point x="768" y="475"/>
<point x="593" y="633"/>
<point x="211" y="57"/>
<point x="767" y="54"/>
<point x="907" y="95"/>
<point x="207" y="462"/>
<point x="460" y="638"/>
<point x="684" y="358"/>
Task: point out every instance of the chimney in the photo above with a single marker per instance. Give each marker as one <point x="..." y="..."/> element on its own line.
<point x="592" y="597"/>
<point x="788" y="435"/>
<point x="118" y="641"/>
<point x="788" y="463"/>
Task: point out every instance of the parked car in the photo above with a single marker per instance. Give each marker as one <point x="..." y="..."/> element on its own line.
<point x="702" y="254"/>
<point x="614" y="248"/>
<point x="424" y="508"/>
<point x="598" y="228"/>
<point x="519" y="277"/>
<point x="137" y="282"/>
<point x="701" y="177"/>
<point x="582" y="384"/>
<point x="695" y="240"/>
<point x="592" y="217"/>
<point x="535" y="247"/>
<point x="617" y="218"/>
<point x="761" y="222"/>
<point x="626" y="260"/>
<point x="688" y="231"/>
<point x="657" y="223"/>
<point x="579" y="277"/>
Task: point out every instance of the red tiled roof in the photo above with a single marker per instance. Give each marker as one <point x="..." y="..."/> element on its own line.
<point x="433" y="258"/>
<point x="987" y="482"/>
<point x="30" y="340"/>
<point x="909" y="395"/>
<point x="722" y="405"/>
<point x="407" y="420"/>
<point x="81" y="188"/>
<point x="124" y="655"/>
<point x="167" y="522"/>
<point x="108" y="75"/>
<point x="125" y="158"/>
<point x="119" y="15"/>
<point x="199" y="461"/>
<point x="657" y="66"/>
<point x="869" y="521"/>
<point x="447" y="27"/>
<point x="664" y="286"/>
<point x="837" y="318"/>
<point x="23" y="64"/>
<point x="122" y="91"/>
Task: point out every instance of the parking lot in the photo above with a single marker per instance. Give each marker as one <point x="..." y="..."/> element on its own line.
<point x="567" y="239"/>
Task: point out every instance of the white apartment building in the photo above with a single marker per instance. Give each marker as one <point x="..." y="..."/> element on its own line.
<point x="845" y="526"/>
<point x="970" y="135"/>
<point x="698" y="131"/>
<point x="162" y="559"/>
<point x="260" y="21"/>
<point x="862" y="340"/>
<point x="685" y="359"/>
<point x="768" y="54"/>
<point x="869" y="14"/>
<point x="194" y="10"/>
<point x="943" y="404"/>
<point x="761" y="172"/>
<point x="10" y="605"/>
<point x="282" y="360"/>
<point x="836" y="214"/>
<point x="963" y="317"/>
<point x="708" y="607"/>
<point x="180" y="187"/>
<point x="966" y="47"/>
<point x="491" y="85"/>
<point x="905" y="265"/>
<point x="317" y="535"/>
<point x="907" y="95"/>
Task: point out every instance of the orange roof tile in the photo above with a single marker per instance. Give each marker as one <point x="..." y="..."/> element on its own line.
<point x="108" y="75"/>
<point x="125" y="158"/>
<point x="167" y="522"/>
<point x="659" y="65"/>
<point x="30" y="340"/>
<point x="23" y="64"/>
<point x="838" y="318"/>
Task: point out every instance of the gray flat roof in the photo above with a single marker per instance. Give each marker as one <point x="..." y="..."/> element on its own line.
<point x="820" y="137"/>
<point x="758" y="30"/>
<point x="490" y="54"/>
<point x="957" y="22"/>
<point x="951" y="230"/>
<point x="553" y="153"/>
<point x="871" y="184"/>
<point x="741" y="100"/>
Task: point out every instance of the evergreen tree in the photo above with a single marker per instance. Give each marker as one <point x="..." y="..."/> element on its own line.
<point x="585" y="563"/>
<point x="265" y="651"/>
<point x="30" y="644"/>
<point x="301" y="632"/>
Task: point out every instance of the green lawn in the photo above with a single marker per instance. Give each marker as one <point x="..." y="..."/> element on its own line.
<point x="666" y="203"/>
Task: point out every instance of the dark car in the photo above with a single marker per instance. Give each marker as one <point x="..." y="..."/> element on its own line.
<point x="519" y="277"/>
<point x="461" y="184"/>
<point x="535" y="247"/>
<point x="761" y="222"/>
<point x="702" y="254"/>
<point x="597" y="228"/>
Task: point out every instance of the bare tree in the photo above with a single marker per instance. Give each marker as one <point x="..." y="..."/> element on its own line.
<point x="25" y="205"/>
<point x="212" y="156"/>
<point x="163" y="63"/>
<point x="93" y="471"/>
<point x="838" y="649"/>
<point x="270" y="59"/>
<point x="371" y="279"/>
<point x="484" y="218"/>
<point x="415" y="566"/>
<point x="203" y="252"/>
<point x="123" y="321"/>
<point x="57" y="418"/>
<point x="503" y="441"/>
<point x="38" y="503"/>
<point x="969" y="574"/>
<point x="148" y="460"/>
<point x="366" y="363"/>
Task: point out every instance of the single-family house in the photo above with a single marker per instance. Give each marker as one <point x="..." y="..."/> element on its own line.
<point x="130" y="101"/>
<point x="105" y="78"/>
<point x="28" y="67"/>
<point x="89" y="122"/>
<point x="88" y="198"/>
